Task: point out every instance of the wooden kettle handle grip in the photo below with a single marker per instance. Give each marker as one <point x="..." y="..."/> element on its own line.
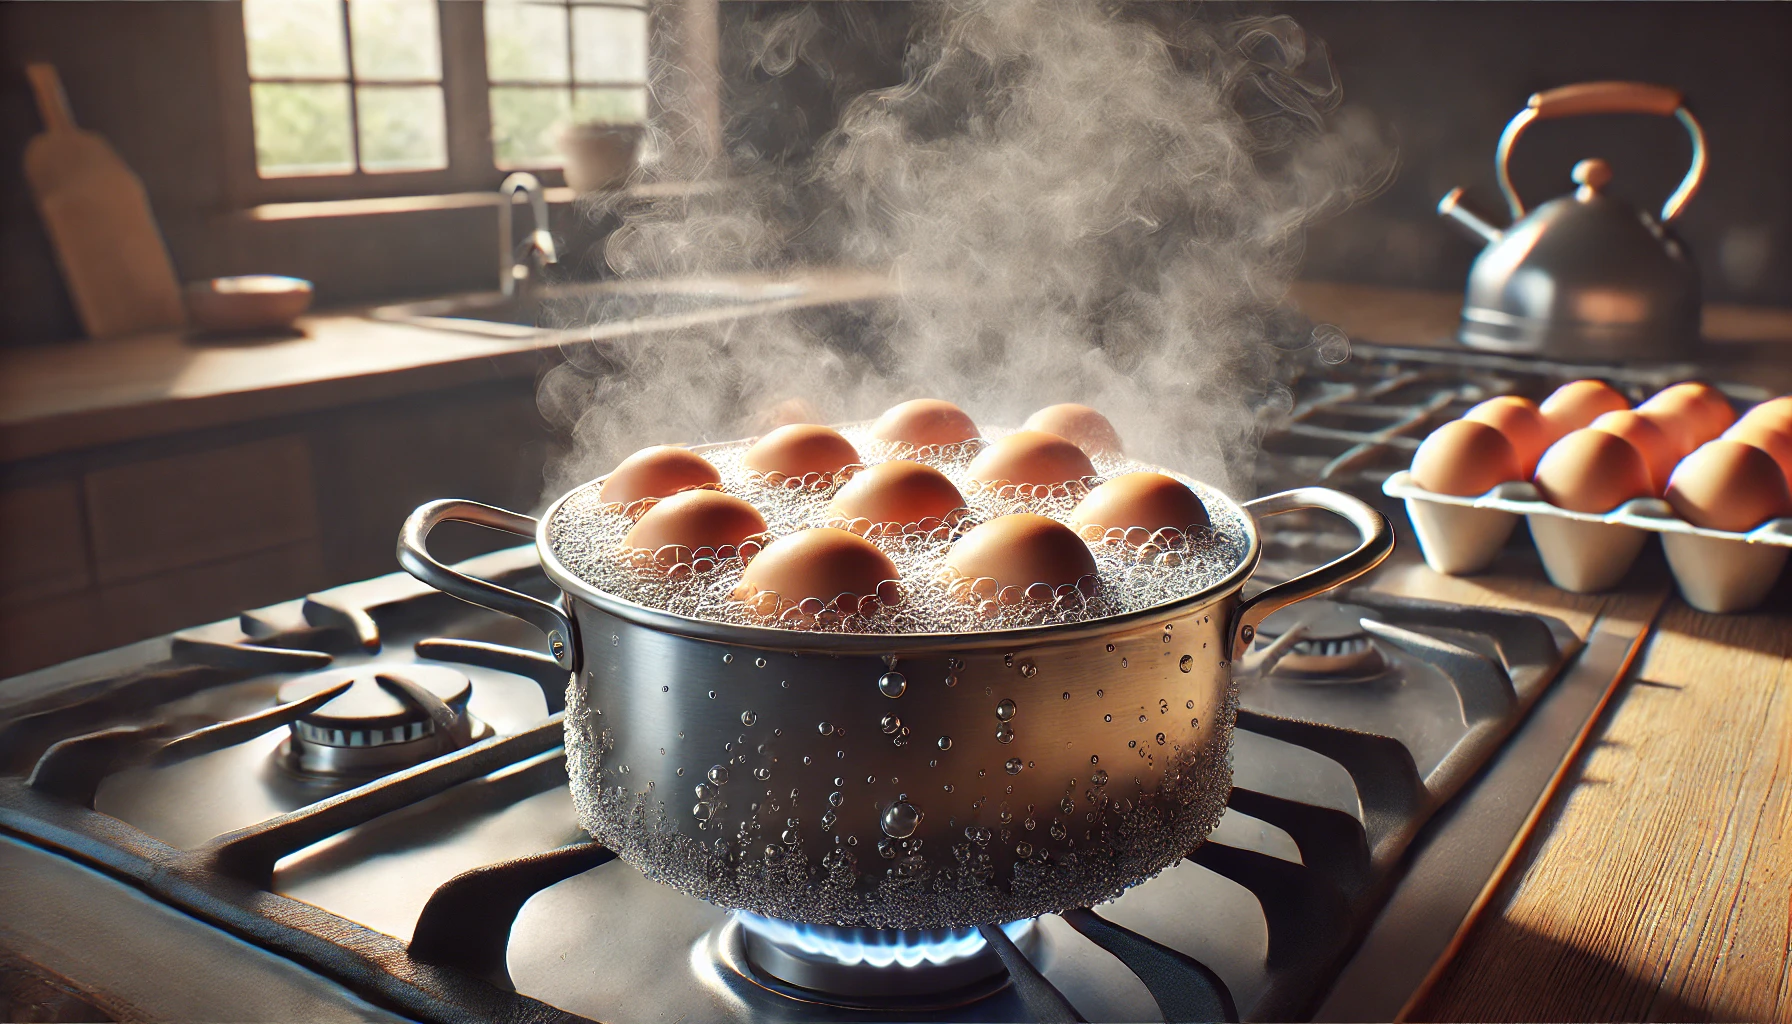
<point x="52" y="101"/>
<point x="1606" y="98"/>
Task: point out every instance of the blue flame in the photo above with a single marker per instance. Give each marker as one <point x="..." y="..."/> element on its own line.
<point x="875" y="947"/>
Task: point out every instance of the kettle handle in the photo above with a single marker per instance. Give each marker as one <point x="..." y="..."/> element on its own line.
<point x="1606" y="98"/>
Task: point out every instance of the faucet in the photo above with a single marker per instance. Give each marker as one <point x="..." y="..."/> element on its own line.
<point x="515" y="275"/>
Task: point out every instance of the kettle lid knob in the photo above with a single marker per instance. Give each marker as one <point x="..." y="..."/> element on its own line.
<point x="1591" y="175"/>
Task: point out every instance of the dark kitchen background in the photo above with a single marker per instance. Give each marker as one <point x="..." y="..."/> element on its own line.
<point x="177" y="518"/>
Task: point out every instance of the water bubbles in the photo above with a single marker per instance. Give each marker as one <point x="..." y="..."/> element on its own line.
<point x="1141" y="718"/>
<point x="1110" y="648"/>
<point x="825" y="728"/>
<point x="773" y="854"/>
<point x="885" y="849"/>
<point x="944" y="743"/>
<point x="1066" y="695"/>
<point x="758" y="662"/>
<point x="1004" y="733"/>
<point x="947" y="787"/>
<point x="977" y="834"/>
<point x="1122" y="662"/>
<point x="1107" y="718"/>
<point x="1333" y="345"/>
<point x="838" y="782"/>
<point x="1187" y="664"/>
<point x="1012" y="766"/>
<point x="890" y="724"/>
<point x="1029" y="824"/>
<point x="791" y="837"/>
<point x="892" y="684"/>
<point x="1028" y="670"/>
<point x="703" y="810"/>
<point x="1166" y="638"/>
<point x="718" y="774"/>
<point x="1100" y="777"/>
<point x="901" y="820"/>
<point x="1194" y="723"/>
<point x="1005" y="710"/>
<point x="1067" y="805"/>
<point x="785" y="683"/>
<point x="954" y="663"/>
<point x="828" y="818"/>
<point x="1160" y="739"/>
<point x="1101" y="693"/>
<point x="762" y="774"/>
<point x="1023" y="850"/>
<point x="1189" y="704"/>
<point x="749" y="718"/>
<point x="665" y="689"/>
<point x="951" y="680"/>
<point x="712" y="695"/>
<point x="836" y="798"/>
<point x="705" y="791"/>
<point x="1059" y="831"/>
<point x="1132" y="743"/>
<point x="728" y="659"/>
<point x="1007" y="661"/>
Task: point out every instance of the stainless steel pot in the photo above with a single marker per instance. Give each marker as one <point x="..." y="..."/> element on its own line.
<point x="918" y="781"/>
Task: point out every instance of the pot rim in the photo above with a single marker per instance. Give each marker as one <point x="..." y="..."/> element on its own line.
<point x="775" y="639"/>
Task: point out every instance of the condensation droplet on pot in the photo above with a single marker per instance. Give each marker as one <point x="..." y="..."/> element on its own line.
<point x="1008" y="660"/>
<point x="749" y="718"/>
<point x="718" y="774"/>
<point x="702" y="811"/>
<point x="1100" y="777"/>
<point x="773" y="853"/>
<point x="944" y="743"/>
<point x="784" y="683"/>
<point x="762" y="774"/>
<point x="1067" y="805"/>
<point x="951" y="680"/>
<point x="1194" y="723"/>
<point x="1029" y="824"/>
<point x="890" y="724"/>
<point x="836" y="798"/>
<point x="727" y="659"/>
<point x="885" y="848"/>
<point x="681" y="773"/>
<point x="1132" y="743"/>
<point x="947" y="787"/>
<point x="1058" y="830"/>
<point x="825" y="728"/>
<point x="1187" y="664"/>
<point x="614" y="639"/>
<point x="1101" y="693"/>
<point x="1161" y="739"/>
<point x="791" y="837"/>
<point x="1023" y="850"/>
<point x="1110" y="648"/>
<point x="870" y="780"/>
<point x="758" y="662"/>
<point x="1005" y="733"/>
<point x="1005" y="710"/>
<point x="828" y="818"/>
<point x="1028" y="670"/>
<point x="1012" y="765"/>
<point x="900" y="821"/>
<point x="1122" y="662"/>
<point x="1066" y="695"/>
<point x="712" y="695"/>
<point x="665" y="689"/>
<point x="977" y="834"/>
<point x="705" y="791"/>
<point x="892" y="684"/>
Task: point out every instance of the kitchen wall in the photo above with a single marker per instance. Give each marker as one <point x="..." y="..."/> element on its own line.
<point x="1441" y="79"/>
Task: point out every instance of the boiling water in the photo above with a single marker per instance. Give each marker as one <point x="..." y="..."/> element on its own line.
<point x="586" y="536"/>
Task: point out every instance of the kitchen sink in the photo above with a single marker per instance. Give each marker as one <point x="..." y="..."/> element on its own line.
<point x="592" y="309"/>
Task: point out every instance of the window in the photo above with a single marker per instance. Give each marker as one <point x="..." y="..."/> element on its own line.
<point x="328" y="99"/>
<point x="551" y="62"/>
<point x="338" y="86"/>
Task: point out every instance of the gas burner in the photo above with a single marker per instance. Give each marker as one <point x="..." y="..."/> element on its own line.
<point x="869" y="967"/>
<point x="391" y="717"/>
<point x="1319" y="642"/>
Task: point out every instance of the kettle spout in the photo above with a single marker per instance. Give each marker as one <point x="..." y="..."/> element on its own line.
<point x="1451" y="206"/>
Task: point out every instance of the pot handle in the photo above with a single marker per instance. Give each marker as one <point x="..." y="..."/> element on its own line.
<point x="413" y="554"/>
<point x="1377" y="542"/>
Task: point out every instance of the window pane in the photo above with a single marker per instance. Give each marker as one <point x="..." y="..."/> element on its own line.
<point x="524" y="122"/>
<point x="609" y="44"/>
<point x="610" y="106"/>
<point x="295" y="38"/>
<point x="525" y="42"/>
<point x="301" y="129"/>
<point x="402" y="128"/>
<point x="396" y="40"/>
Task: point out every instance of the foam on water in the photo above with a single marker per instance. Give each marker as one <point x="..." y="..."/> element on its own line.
<point x="586" y="536"/>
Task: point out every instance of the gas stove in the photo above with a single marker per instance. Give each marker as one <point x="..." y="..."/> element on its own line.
<point x="354" y="805"/>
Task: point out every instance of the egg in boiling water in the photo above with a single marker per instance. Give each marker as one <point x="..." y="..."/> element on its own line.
<point x="818" y="570"/>
<point x="1019" y="557"/>
<point x="1592" y="471"/>
<point x="892" y="495"/>
<point x="1140" y="504"/>
<point x="1466" y="458"/>
<point x="924" y="422"/>
<point x="1031" y="457"/>
<point x="1729" y="485"/>
<point x="657" y="472"/>
<point x="1078" y="424"/>
<point x="798" y="450"/>
<point x="1578" y="403"/>
<point x="1658" y="451"/>
<point x="678" y="529"/>
<point x="1521" y="422"/>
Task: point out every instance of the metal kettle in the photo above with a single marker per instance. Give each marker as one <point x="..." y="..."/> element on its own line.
<point x="1584" y="276"/>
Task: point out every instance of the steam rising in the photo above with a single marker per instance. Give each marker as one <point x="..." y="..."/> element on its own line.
<point x="1078" y="202"/>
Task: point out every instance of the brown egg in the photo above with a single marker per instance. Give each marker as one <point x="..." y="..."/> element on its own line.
<point x="1030" y="457"/>
<point x="1466" y="458"/>
<point x="831" y="567"/>
<point x="1143" y="502"/>
<point x="1690" y="413"/>
<point x="1578" y="403"/>
<point x="1775" y="414"/>
<point x="1078" y="424"/>
<point x="1659" y="452"/>
<point x="1032" y="554"/>
<point x="1777" y="443"/>
<point x="1521" y="422"/>
<point x="696" y="520"/>
<point x="657" y="472"/>
<point x="798" y="450"/>
<point x="924" y="422"/>
<point x="1729" y="485"/>
<point x="1592" y="471"/>
<point x="891" y="495"/>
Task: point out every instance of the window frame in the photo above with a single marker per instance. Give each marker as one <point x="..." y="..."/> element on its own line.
<point x="465" y="107"/>
<point x="572" y="83"/>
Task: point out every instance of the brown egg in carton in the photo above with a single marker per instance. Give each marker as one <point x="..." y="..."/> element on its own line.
<point x="1716" y="570"/>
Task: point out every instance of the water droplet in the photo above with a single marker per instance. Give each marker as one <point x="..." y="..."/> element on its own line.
<point x="954" y="663"/>
<point x="944" y="743"/>
<point x="900" y="821"/>
<point x="1012" y="765"/>
<point x="702" y="811"/>
<point x="665" y="689"/>
<point x="1067" y="805"/>
<point x="1189" y="704"/>
<point x="1132" y="743"/>
<point x="712" y="695"/>
<point x="773" y="853"/>
<point x="1028" y="670"/>
<point x="1160" y="739"/>
<point x="1023" y="850"/>
<point x="947" y="787"/>
<point x="785" y="683"/>
<point x="727" y="659"/>
<point x="1100" y="777"/>
<point x="1058" y="830"/>
<point x="681" y="773"/>
<point x="825" y="728"/>
<point x="1005" y="710"/>
<point x="791" y="837"/>
<point x="758" y="662"/>
<point x="1107" y="718"/>
<point x="828" y="818"/>
<point x="1005" y="733"/>
<point x="841" y="754"/>
<point x="748" y="718"/>
<point x="718" y="774"/>
<point x="951" y="680"/>
<point x="839" y="781"/>
<point x="1110" y="648"/>
<point x="762" y="774"/>
<point x="870" y="779"/>
<point x="852" y="840"/>
<point x="1008" y="660"/>
<point x="1122" y="662"/>
<point x="614" y="639"/>
<point x="1187" y="664"/>
<point x="1141" y="718"/>
<point x="1101" y="693"/>
<point x="1029" y="824"/>
<point x="886" y="849"/>
<point x="1066" y="695"/>
<point x="1194" y="723"/>
<point x="836" y="798"/>
<point x="892" y="684"/>
<point x="890" y="724"/>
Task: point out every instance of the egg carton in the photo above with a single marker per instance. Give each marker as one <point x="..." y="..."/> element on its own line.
<point x="1716" y="570"/>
